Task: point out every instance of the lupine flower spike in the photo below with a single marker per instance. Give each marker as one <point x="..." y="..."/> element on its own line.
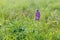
<point x="37" y="15"/>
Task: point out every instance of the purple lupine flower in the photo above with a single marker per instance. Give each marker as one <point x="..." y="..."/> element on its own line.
<point x="37" y="15"/>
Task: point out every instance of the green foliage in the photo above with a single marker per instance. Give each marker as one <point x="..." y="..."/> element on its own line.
<point x="17" y="20"/>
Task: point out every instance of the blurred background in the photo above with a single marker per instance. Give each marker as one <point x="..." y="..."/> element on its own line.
<point x="17" y="20"/>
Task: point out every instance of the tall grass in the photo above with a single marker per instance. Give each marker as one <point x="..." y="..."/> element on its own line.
<point x="17" y="20"/>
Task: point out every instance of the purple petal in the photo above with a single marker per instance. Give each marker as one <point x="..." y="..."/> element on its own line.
<point x="37" y="15"/>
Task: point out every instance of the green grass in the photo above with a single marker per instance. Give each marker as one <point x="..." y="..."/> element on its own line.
<point x="17" y="20"/>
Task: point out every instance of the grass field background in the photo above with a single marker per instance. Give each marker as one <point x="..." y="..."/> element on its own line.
<point x="17" y="20"/>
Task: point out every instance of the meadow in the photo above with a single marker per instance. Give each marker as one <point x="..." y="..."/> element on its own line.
<point x="17" y="20"/>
